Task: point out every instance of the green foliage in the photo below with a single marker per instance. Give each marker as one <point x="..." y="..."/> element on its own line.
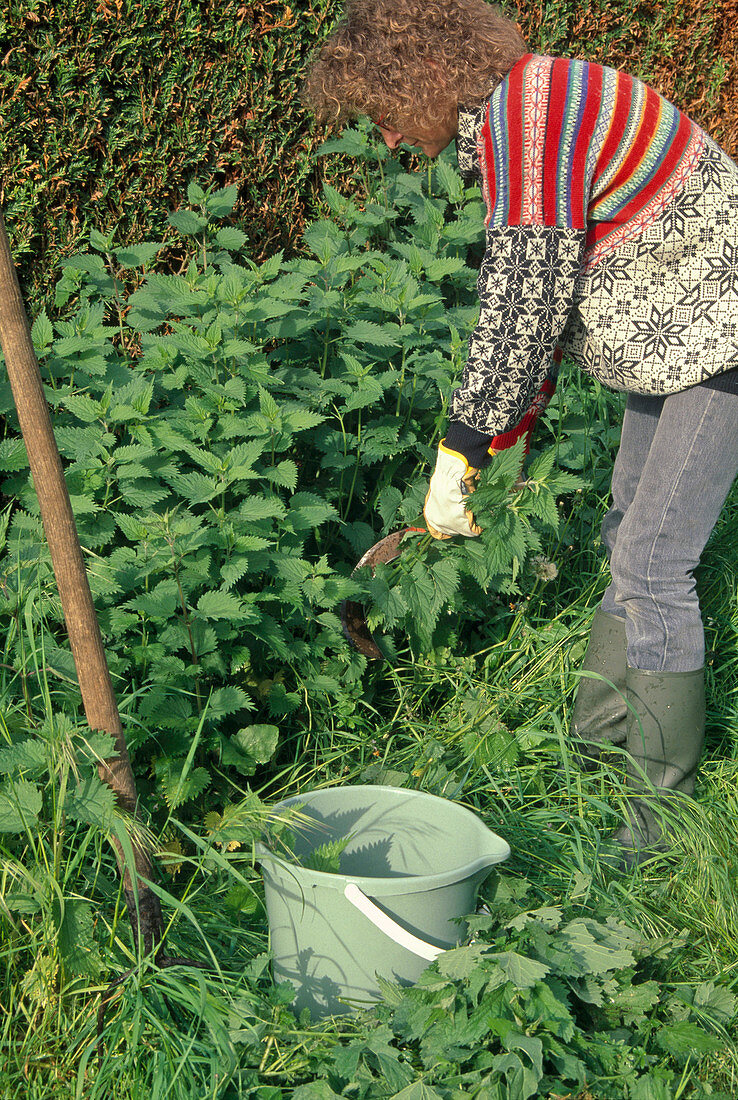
<point x="107" y="104"/>
<point x="52" y="801"/>
<point x="327" y="857"/>
<point x="235" y="435"/>
<point x="540" y="1003"/>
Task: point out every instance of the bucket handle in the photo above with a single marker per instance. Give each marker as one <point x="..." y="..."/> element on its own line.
<point x="390" y="927"/>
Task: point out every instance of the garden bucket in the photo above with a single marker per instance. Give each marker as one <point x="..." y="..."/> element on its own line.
<point x="409" y="872"/>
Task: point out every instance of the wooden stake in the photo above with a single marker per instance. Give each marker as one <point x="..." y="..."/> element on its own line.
<point x="85" y="639"/>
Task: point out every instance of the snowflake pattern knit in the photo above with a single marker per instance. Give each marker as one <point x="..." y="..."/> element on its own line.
<point x="612" y="231"/>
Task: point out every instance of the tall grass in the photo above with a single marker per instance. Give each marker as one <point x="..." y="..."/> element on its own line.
<point x="483" y="721"/>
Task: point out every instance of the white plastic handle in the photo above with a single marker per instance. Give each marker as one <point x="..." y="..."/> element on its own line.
<point x="390" y="927"/>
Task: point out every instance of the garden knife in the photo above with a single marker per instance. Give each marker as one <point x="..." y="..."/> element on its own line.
<point x="353" y="616"/>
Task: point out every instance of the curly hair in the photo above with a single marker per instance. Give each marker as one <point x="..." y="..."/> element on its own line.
<point x="399" y="59"/>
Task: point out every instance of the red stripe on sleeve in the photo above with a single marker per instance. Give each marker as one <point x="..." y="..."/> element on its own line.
<point x="618" y="121"/>
<point x="668" y="164"/>
<point x="489" y="161"/>
<point x="554" y="127"/>
<point x="639" y="146"/>
<point x="589" y="113"/>
<point x="516" y="142"/>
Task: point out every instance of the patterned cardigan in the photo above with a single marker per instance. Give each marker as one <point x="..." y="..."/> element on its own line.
<point x="611" y="231"/>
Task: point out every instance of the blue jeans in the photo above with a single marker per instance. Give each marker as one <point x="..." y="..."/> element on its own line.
<point x="678" y="458"/>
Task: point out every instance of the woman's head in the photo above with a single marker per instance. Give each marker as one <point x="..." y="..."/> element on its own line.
<point x="401" y="61"/>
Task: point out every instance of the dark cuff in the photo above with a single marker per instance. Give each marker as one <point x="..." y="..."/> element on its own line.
<point x="473" y="445"/>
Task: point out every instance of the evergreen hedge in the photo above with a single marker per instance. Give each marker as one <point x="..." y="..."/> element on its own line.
<point x="111" y="107"/>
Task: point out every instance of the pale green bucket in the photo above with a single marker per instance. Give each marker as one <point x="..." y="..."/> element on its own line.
<point x="410" y="871"/>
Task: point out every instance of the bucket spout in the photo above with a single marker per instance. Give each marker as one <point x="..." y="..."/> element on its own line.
<point x="496" y="851"/>
<point x="491" y="849"/>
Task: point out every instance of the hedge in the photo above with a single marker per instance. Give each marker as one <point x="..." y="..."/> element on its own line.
<point x="111" y="107"/>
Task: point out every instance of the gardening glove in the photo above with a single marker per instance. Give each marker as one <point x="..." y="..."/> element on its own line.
<point x="452" y="481"/>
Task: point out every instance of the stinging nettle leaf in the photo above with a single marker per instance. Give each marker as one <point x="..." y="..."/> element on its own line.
<point x="92" y="801"/>
<point x="256" y="508"/>
<point x="284" y="474"/>
<point x="418" y="1090"/>
<point x="194" y="488"/>
<point x="596" y="948"/>
<point x="42" y="333"/>
<point x="542" y="466"/>
<point x="13" y="455"/>
<point x="177" y="786"/>
<point x="308" y="511"/>
<point x="271" y="267"/>
<point x="30" y="755"/>
<point x="187" y="222"/>
<point x="715" y="1001"/>
<point x="231" y="238"/>
<point x="445" y="576"/>
<point x="521" y="971"/>
<point x="222" y="605"/>
<point x="95" y="746"/>
<point x="685" y="1039"/>
<point x="220" y="203"/>
<point x="439" y="269"/>
<point x="368" y="391"/>
<point x="75" y="938"/>
<point x="228" y="700"/>
<point x="195" y="194"/>
<point x="131" y="526"/>
<point x="367" y="332"/>
<point x="20" y="806"/>
<point x="85" y="408"/>
<point x="138" y="255"/>
<point x="460" y="963"/>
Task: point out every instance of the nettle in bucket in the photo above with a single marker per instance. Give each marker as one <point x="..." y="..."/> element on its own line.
<point x="408" y="868"/>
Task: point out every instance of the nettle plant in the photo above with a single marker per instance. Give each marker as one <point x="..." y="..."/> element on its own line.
<point x="236" y="436"/>
<point x="542" y="1003"/>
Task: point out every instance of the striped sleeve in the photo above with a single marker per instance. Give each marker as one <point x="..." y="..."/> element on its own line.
<point x="574" y="158"/>
<point x="534" y="246"/>
<point x="536" y="144"/>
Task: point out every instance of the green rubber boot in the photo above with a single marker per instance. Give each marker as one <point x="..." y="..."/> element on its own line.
<point x="665" y="734"/>
<point x="600" y="709"/>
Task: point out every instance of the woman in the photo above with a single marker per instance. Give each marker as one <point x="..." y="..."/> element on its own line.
<point x="612" y="232"/>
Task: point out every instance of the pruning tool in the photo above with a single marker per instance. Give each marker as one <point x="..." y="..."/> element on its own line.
<point x="353" y="616"/>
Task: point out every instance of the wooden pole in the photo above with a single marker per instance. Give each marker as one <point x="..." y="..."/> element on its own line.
<point x="98" y="699"/>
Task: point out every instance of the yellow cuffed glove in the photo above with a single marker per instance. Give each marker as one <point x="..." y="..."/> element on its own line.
<point x="452" y="481"/>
